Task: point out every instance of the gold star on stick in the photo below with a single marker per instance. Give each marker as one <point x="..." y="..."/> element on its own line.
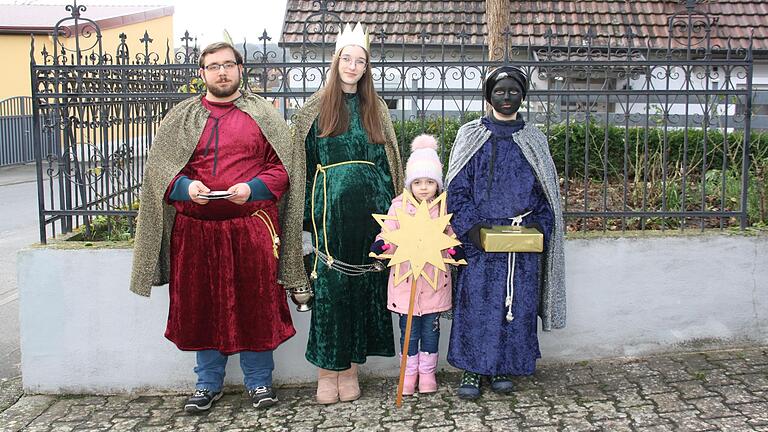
<point x="420" y="240"/>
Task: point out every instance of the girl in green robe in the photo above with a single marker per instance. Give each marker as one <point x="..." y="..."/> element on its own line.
<point x="353" y="169"/>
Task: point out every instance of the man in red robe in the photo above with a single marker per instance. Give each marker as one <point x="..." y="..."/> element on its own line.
<point x="223" y="243"/>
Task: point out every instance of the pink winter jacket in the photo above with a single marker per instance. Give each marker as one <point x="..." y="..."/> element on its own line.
<point x="427" y="299"/>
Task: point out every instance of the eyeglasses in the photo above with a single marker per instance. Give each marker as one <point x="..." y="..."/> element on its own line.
<point x="349" y="60"/>
<point x="215" y="67"/>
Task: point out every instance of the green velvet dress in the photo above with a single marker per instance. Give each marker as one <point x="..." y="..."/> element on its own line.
<point x="350" y="320"/>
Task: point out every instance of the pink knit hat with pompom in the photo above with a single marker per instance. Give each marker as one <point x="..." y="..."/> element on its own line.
<point x="424" y="162"/>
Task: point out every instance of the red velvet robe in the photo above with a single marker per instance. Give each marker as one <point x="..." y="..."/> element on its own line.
<point x="224" y="293"/>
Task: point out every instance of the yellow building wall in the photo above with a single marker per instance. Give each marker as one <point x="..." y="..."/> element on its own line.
<point x="15" y="48"/>
<point x="159" y="30"/>
<point x="15" y="74"/>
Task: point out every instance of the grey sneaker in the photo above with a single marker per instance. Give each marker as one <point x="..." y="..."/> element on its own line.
<point x="263" y="396"/>
<point x="201" y="400"/>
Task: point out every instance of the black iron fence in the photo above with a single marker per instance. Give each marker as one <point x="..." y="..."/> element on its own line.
<point x="643" y="137"/>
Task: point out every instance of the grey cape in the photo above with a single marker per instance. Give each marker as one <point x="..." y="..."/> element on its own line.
<point x="533" y="144"/>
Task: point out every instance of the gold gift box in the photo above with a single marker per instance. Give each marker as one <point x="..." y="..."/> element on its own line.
<point x="506" y="238"/>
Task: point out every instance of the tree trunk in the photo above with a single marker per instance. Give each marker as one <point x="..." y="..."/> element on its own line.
<point x="497" y="20"/>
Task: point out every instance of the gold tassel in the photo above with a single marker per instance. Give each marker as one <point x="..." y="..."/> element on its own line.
<point x="261" y="214"/>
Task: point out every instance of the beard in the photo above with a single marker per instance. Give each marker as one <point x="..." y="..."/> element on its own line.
<point x="223" y="88"/>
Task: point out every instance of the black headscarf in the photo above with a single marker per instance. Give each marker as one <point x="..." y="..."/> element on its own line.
<point x="504" y="72"/>
<point x="496" y="75"/>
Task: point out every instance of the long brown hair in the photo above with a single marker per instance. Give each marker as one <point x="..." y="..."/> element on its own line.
<point x="334" y="117"/>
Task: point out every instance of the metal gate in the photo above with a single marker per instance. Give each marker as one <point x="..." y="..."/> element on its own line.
<point x="645" y="137"/>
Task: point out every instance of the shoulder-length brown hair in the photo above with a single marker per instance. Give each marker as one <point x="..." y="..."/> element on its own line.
<point x="334" y="117"/>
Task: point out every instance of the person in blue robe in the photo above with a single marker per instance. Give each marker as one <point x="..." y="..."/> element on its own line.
<point x="500" y="171"/>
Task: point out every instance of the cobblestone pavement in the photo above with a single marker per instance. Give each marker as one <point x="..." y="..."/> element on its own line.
<point x="707" y="391"/>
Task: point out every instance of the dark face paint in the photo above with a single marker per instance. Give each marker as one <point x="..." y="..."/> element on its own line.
<point x="506" y="97"/>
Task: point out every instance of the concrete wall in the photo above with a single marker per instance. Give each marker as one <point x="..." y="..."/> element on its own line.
<point x="83" y="331"/>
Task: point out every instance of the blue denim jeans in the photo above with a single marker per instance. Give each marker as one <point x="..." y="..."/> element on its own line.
<point x="257" y="369"/>
<point x="424" y="329"/>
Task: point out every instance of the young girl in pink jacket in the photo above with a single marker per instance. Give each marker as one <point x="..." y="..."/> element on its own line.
<point x="424" y="178"/>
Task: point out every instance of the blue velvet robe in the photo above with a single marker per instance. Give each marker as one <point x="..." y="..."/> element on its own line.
<point x="496" y="184"/>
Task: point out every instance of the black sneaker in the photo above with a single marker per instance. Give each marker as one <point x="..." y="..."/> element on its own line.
<point x="470" y="386"/>
<point x="263" y="397"/>
<point x="201" y="400"/>
<point x="502" y="384"/>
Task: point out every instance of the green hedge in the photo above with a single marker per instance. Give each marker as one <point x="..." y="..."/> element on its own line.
<point x="682" y="148"/>
<point x="690" y="152"/>
<point x="577" y="136"/>
<point x="443" y="129"/>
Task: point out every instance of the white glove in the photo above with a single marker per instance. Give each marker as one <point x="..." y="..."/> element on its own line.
<point x="306" y="243"/>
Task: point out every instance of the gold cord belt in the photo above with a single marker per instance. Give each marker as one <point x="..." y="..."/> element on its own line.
<point x="327" y="258"/>
<point x="261" y="214"/>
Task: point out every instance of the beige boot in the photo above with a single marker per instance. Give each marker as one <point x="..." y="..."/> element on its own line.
<point x="349" y="388"/>
<point x="327" y="386"/>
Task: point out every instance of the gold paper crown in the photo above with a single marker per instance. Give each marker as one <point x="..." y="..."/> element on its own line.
<point x="353" y="36"/>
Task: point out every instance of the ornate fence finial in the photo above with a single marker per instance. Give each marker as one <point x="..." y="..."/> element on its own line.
<point x="186" y="38"/>
<point x="381" y="35"/>
<point x="122" y="49"/>
<point x="590" y="36"/>
<point x="146" y="40"/>
<point x="84" y="34"/>
<point x="424" y="36"/>
<point x="75" y="10"/>
<point x="550" y="35"/>
<point x="630" y="36"/>
<point x="463" y="35"/>
<point x="265" y="37"/>
<point x="324" y="5"/>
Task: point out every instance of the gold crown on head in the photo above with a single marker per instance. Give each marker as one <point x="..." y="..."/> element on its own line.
<point x="353" y="36"/>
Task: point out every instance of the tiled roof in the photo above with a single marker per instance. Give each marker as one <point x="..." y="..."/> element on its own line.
<point x="42" y="18"/>
<point x="404" y="20"/>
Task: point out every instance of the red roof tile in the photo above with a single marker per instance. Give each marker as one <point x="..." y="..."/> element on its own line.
<point x="403" y="20"/>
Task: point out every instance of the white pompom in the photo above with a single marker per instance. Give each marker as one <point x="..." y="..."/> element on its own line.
<point x="424" y="141"/>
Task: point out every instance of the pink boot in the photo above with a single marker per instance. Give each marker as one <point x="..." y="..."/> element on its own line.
<point x="427" y="368"/>
<point x="411" y="374"/>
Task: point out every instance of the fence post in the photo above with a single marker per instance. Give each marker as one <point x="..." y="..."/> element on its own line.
<point x="37" y="142"/>
<point x="747" y="137"/>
